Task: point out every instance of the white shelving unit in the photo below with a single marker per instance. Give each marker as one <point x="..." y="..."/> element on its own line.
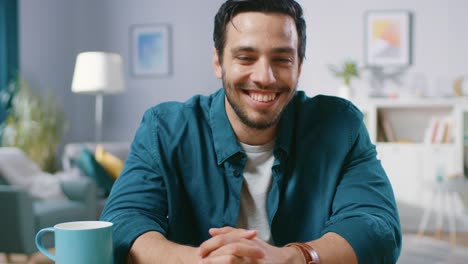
<point x="411" y="161"/>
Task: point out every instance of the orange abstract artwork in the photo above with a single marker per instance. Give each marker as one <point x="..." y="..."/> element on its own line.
<point x="389" y="31"/>
<point x="388" y="38"/>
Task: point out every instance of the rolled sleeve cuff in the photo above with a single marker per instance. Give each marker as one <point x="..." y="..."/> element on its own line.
<point x="373" y="241"/>
<point x="126" y="229"/>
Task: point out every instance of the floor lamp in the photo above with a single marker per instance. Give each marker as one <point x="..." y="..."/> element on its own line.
<point x="98" y="73"/>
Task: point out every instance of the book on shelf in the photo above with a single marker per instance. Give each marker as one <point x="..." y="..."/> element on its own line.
<point x="385" y="129"/>
<point x="448" y="131"/>
<point x="439" y="131"/>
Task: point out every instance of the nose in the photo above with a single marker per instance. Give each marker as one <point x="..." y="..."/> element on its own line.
<point x="263" y="74"/>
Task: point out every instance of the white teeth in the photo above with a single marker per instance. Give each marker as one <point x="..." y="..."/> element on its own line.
<point x="263" y="97"/>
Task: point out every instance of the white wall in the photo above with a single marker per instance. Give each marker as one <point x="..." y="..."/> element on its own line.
<point x="47" y="49"/>
<point x="54" y="31"/>
<point x="336" y="32"/>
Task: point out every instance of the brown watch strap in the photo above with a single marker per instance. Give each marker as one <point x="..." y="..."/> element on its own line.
<point x="309" y="253"/>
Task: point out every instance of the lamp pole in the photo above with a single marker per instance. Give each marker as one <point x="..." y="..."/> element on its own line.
<point x="98" y="119"/>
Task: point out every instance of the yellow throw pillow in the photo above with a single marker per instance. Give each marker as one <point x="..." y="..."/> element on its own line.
<point x="112" y="164"/>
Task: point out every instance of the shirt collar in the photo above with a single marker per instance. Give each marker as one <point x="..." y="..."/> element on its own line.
<point x="225" y="141"/>
<point x="286" y="127"/>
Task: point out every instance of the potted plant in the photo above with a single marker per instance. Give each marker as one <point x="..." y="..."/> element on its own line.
<point x="35" y="124"/>
<point x="347" y="71"/>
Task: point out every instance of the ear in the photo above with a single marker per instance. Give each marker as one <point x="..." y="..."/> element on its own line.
<point x="217" y="64"/>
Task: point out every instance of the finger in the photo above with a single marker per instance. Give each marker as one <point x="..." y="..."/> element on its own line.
<point x="244" y="248"/>
<point x="227" y="229"/>
<point x="221" y="240"/>
<point x="222" y="260"/>
<point x="222" y="230"/>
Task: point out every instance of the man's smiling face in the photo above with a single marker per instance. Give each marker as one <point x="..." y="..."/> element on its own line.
<point x="260" y="67"/>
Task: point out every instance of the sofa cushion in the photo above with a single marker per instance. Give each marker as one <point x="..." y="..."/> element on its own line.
<point x="90" y="167"/>
<point x="19" y="170"/>
<point x="47" y="187"/>
<point x="112" y="164"/>
<point x="72" y="151"/>
<point x="16" y="168"/>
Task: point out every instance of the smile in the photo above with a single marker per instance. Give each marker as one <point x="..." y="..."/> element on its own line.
<point x="262" y="97"/>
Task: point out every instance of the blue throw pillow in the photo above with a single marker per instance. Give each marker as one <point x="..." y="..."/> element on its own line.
<point x="90" y="167"/>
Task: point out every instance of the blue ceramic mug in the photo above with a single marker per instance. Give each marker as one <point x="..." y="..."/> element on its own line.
<point x="80" y="242"/>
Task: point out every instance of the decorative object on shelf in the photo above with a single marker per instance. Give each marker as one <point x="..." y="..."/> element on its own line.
<point x="460" y="86"/>
<point x="346" y="71"/>
<point x="382" y="78"/>
<point x="150" y="50"/>
<point x="98" y="73"/>
<point x="35" y="125"/>
<point x="418" y="84"/>
<point x="388" y="38"/>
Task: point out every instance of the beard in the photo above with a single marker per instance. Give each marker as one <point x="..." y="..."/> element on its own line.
<point x="242" y="113"/>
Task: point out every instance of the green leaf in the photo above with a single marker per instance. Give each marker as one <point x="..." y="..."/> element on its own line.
<point x="347" y="71"/>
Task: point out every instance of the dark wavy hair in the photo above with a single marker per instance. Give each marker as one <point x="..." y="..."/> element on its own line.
<point x="233" y="7"/>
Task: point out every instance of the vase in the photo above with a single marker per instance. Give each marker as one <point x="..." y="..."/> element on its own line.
<point x="344" y="91"/>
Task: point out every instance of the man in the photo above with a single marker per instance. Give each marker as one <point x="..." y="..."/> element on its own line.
<point x="236" y="176"/>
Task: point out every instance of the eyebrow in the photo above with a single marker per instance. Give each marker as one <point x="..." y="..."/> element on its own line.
<point x="251" y="49"/>
<point x="284" y="50"/>
<point x="243" y="49"/>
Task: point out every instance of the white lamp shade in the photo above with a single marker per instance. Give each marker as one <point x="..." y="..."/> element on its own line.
<point x="98" y="73"/>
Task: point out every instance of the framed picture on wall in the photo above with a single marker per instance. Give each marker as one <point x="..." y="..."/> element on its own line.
<point x="388" y="38"/>
<point x="150" y="50"/>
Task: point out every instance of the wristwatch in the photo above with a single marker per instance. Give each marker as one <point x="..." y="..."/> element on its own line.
<point x="310" y="255"/>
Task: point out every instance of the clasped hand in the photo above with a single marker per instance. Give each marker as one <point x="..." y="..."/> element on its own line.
<point x="230" y="245"/>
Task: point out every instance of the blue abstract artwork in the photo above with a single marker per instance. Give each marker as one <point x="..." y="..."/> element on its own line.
<point x="150" y="50"/>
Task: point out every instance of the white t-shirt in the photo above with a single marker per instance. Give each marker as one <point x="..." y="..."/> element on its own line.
<point x="255" y="189"/>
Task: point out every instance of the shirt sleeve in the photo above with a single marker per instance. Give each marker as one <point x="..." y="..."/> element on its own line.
<point x="364" y="210"/>
<point x="138" y="200"/>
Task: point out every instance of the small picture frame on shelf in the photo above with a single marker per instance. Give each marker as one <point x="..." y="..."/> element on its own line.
<point x="388" y="38"/>
<point x="150" y="50"/>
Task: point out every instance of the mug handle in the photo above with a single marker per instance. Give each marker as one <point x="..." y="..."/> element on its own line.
<point x="39" y="245"/>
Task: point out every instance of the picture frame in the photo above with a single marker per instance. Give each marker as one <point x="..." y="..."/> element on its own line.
<point x="150" y="50"/>
<point x="388" y="38"/>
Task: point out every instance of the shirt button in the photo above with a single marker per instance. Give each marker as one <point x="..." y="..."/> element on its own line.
<point x="236" y="173"/>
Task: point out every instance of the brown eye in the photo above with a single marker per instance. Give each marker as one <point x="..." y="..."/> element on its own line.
<point x="283" y="59"/>
<point x="245" y="58"/>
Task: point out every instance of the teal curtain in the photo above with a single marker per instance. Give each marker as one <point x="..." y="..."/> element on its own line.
<point x="9" y="54"/>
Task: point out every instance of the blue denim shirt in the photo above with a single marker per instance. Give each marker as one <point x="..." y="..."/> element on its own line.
<point x="184" y="176"/>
